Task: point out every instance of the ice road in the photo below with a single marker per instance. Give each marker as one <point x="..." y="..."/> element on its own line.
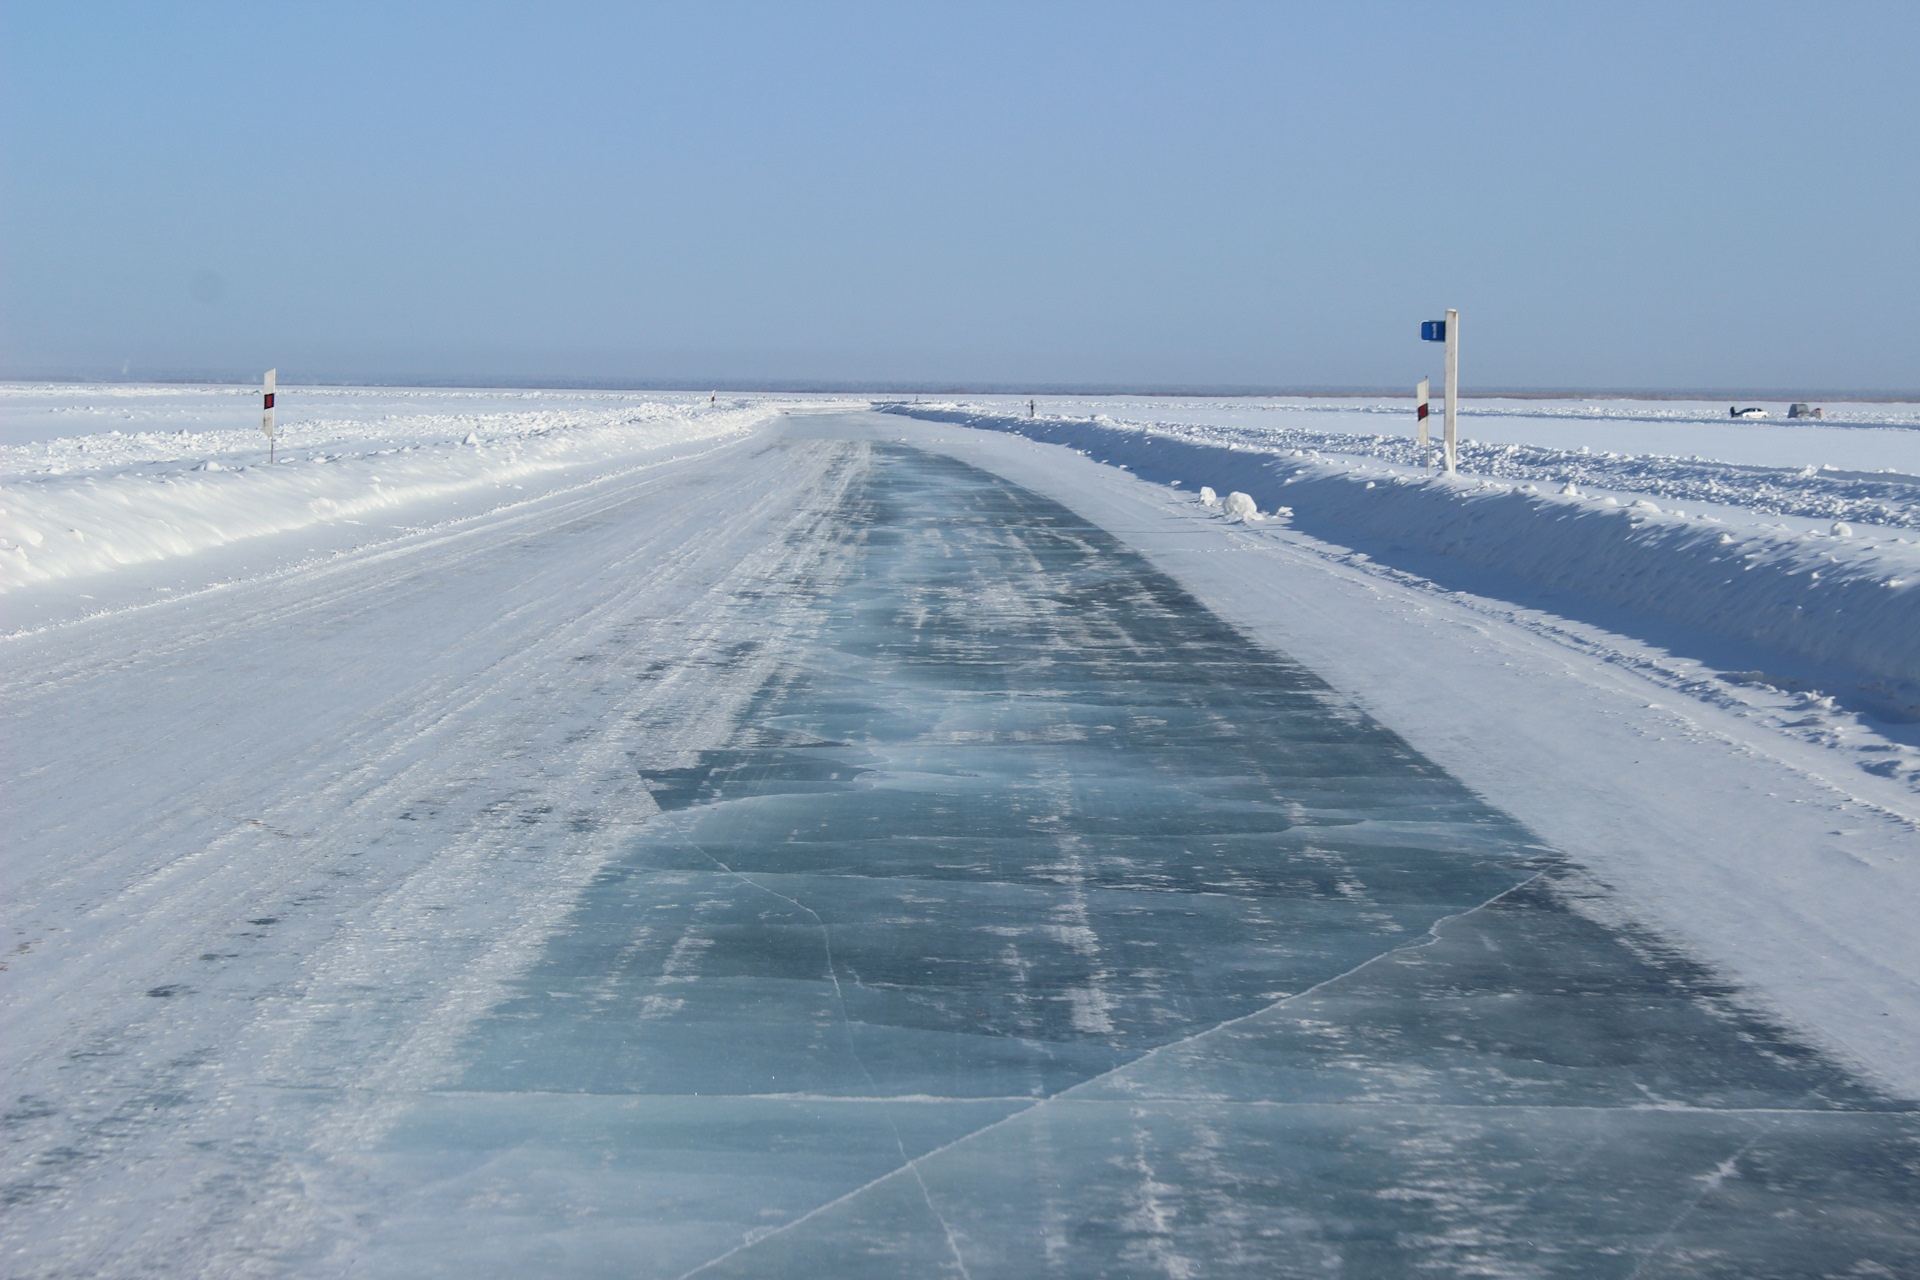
<point x="819" y="853"/>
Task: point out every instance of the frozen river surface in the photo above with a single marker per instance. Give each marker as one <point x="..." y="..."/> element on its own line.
<point x="1034" y="922"/>
<point x="802" y="853"/>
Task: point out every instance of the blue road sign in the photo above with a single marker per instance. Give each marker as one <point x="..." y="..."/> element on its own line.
<point x="1433" y="330"/>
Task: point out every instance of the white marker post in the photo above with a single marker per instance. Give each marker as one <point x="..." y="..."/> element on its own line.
<point x="1453" y="388"/>
<point x="1420" y="416"/>
<point x="266" y="414"/>
<point x="1447" y="331"/>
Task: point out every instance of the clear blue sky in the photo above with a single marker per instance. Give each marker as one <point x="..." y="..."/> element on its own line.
<point x="1665" y="195"/>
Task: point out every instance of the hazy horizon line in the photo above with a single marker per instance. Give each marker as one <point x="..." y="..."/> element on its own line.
<point x="425" y="382"/>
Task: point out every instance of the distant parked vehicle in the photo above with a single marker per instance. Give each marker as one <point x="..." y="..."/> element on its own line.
<point x="1802" y="411"/>
<point x="1756" y="412"/>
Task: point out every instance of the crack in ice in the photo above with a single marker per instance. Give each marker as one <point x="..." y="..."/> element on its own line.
<point x="853" y="1048"/>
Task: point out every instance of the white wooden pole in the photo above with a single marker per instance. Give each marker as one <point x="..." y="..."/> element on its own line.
<point x="1453" y="387"/>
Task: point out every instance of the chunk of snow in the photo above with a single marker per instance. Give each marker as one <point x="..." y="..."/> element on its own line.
<point x="1208" y="498"/>
<point x="1239" y="506"/>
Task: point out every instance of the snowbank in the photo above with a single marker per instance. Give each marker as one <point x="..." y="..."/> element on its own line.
<point x="78" y="506"/>
<point x="1846" y="601"/>
<point x="1862" y="464"/>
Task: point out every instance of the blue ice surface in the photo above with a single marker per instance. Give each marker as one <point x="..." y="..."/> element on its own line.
<point x="1036" y="922"/>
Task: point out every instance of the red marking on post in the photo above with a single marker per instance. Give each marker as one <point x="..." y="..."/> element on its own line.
<point x="1423" y="411"/>
<point x="269" y="399"/>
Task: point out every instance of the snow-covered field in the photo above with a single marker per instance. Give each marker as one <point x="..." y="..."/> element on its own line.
<point x="331" y="746"/>
<point x="1671" y="448"/>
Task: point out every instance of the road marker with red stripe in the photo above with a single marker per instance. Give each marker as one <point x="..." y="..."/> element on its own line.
<point x="266" y="414"/>
<point x="1420" y="416"/>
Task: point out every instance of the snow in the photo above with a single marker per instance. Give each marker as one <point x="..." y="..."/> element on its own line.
<point x="656" y="835"/>
<point x="1239" y="506"/>
<point x="83" y="506"/>
<point x="1863" y="464"/>
<point x="1868" y="437"/>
